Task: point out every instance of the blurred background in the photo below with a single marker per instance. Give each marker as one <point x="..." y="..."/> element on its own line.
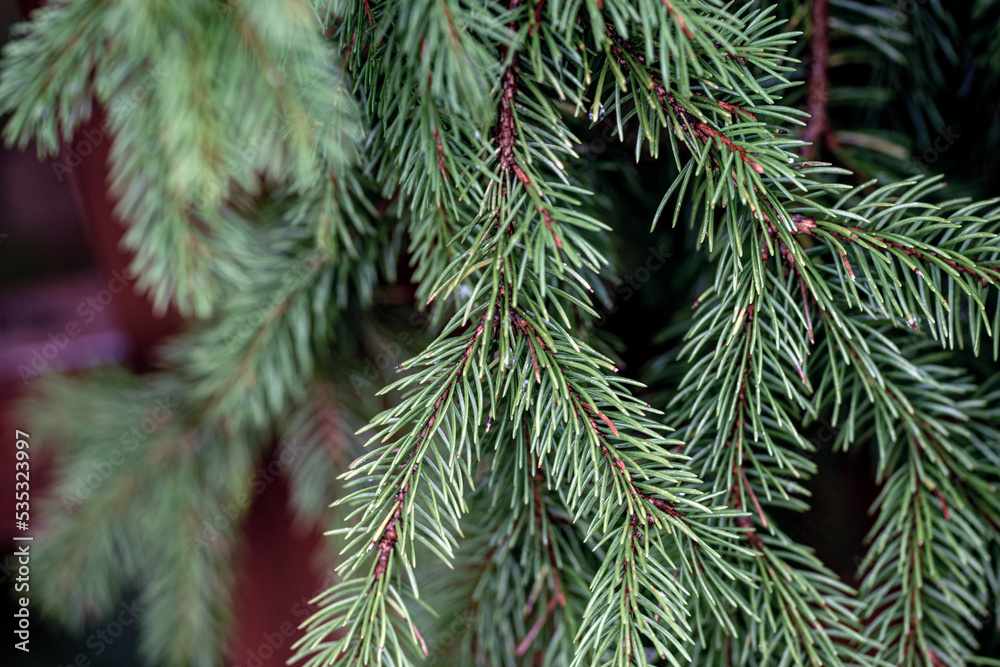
<point x="51" y="262"/>
<point x="63" y="308"/>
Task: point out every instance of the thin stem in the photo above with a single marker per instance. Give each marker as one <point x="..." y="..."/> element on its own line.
<point x="818" y="125"/>
<point x="701" y="130"/>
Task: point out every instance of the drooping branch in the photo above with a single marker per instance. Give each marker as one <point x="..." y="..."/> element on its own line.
<point x="505" y="133"/>
<point x="591" y="415"/>
<point x="740" y="485"/>
<point x="558" y="599"/>
<point x="386" y="542"/>
<point x="701" y="130"/>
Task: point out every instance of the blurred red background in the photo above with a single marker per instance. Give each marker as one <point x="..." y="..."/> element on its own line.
<point x="59" y="248"/>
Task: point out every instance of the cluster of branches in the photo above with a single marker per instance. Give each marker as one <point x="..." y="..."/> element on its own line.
<point x="286" y="152"/>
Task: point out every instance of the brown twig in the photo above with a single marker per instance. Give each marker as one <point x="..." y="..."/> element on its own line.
<point x="803" y="225"/>
<point x="505" y="132"/>
<point x="818" y="125"/>
<point x="558" y="599"/>
<point x="701" y="130"/>
<point x="985" y="274"/>
<point x="330" y="424"/>
<point x="442" y="167"/>
<point x="529" y="638"/>
<point x="389" y="536"/>
<point x="671" y="11"/>
<point x="590" y="414"/>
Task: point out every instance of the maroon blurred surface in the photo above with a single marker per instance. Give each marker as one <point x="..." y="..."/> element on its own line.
<point x="75" y="320"/>
<point x="276" y="580"/>
<point x="89" y="183"/>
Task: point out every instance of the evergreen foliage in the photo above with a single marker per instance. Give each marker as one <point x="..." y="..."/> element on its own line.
<point x="512" y="486"/>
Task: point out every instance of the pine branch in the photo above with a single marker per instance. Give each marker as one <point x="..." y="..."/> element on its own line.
<point x="596" y="535"/>
<point x="157" y="497"/>
<point x="928" y="549"/>
<point x="210" y="125"/>
<point x="317" y="444"/>
<point x="742" y="390"/>
<point x="266" y="341"/>
<point x="523" y="569"/>
<point x="513" y="323"/>
<point x="44" y="67"/>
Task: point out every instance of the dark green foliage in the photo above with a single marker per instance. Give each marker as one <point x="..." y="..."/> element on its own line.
<point x="517" y="501"/>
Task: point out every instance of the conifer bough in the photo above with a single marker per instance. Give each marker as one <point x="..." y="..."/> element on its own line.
<point x="269" y="180"/>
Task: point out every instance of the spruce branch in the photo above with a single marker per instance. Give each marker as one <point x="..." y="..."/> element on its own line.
<point x="889" y="238"/>
<point x="514" y="342"/>
<point x="928" y="547"/>
<point x="247" y="367"/>
<point x="743" y="439"/>
<point x="591" y="533"/>
<point x="45" y="70"/>
<point x="211" y="126"/>
<point x="175" y="509"/>
<point x="532" y="561"/>
<point x="318" y="441"/>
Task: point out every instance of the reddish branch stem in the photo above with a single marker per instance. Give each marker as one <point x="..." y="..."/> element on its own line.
<point x="387" y="540"/>
<point x="558" y="599"/>
<point x="529" y="638"/>
<point x="701" y="130"/>
<point x="590" y="414"/>
<point x="805" y="226"/>
<point x="442" y="167"/>
<point x="505" y="133"/>
<point x="680" y="19"/>
<point x="818" y="125"/>
<point x="739" y="475"/>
